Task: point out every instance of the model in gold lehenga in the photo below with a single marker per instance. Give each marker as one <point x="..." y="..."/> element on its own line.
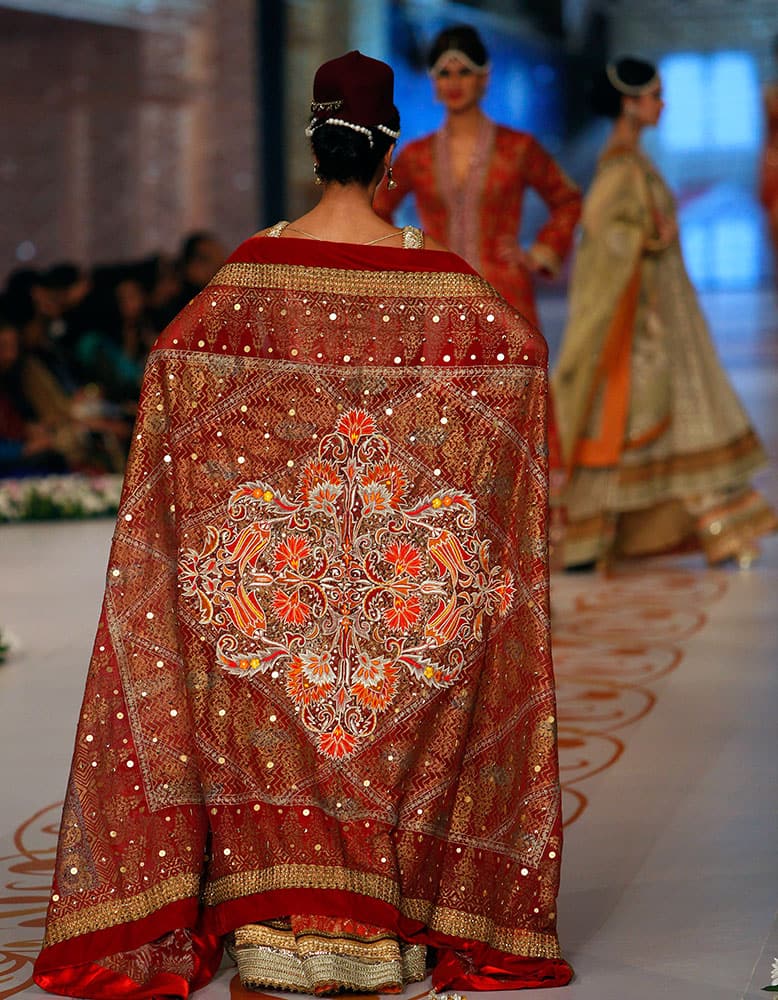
<point x="659" y="448"/>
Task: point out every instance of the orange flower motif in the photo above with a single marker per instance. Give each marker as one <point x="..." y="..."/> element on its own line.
<point x="300" y="688"/>
<point x="246" y="547"/>
<point x="338" y="743"/>
<point x="371" y="670"/>
<point x="403" y="613"/>
<point x="505" y="593"/>
<point x="387" y="479"/>
<point x="320" y="483"/>
<point x="244" y="609"/>
<point x="375" y="499"/>
<point x="317" y="667"/>
<point x="290" y="553"/>
<point x="376" y="697"/>
<point x="356" y="424"/>
<point x="404" y="558"/>
<point x="291" y="608"/>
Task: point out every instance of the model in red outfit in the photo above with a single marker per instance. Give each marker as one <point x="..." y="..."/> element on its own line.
<point x="469" y="179"/>
<point x="769" y="176"/>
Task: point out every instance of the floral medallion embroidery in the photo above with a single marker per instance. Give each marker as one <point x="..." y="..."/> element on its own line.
<point x="346" y="584"/>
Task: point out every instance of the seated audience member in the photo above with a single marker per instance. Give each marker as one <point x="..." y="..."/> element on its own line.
<point x="161" y="283"/>
<point x="36" y="304"/>
<point x="200" y="257"/>
<point x="27" y="447"/>
<point x="117" y="335"/>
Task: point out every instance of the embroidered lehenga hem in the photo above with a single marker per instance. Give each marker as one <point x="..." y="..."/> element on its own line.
<point x="321" y="956"/>
<point x="322" y="680"/>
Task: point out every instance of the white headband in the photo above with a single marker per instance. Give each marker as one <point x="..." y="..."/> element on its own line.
<point x="625" y="88"/>
<point x="463" y="57"/>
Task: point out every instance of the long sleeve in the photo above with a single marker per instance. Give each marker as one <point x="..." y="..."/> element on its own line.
<point x="563" y="199"/>
<point x="616" y="226"/>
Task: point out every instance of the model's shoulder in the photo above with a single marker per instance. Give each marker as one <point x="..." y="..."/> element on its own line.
<point x="419" y="145"/>
<point x="613" y="155"/>
<point x="273" y="231"/>
<point x="513" y="136"/>
<point x="622" y="160"/>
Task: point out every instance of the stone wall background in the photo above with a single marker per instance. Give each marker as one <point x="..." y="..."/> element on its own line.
<point x="117" y="140"/>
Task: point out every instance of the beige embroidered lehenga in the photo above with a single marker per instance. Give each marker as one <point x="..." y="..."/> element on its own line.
<point x="659" y="448"/>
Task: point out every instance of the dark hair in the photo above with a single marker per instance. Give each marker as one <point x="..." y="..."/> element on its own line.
<point x="346" y="156"/>
<point x="7" y="317"/>
<point x="462" y="37"/>
<point x="18" y="295"/>
<point x="190" y="245"/>
<point x="61" y="276"/>
<point x="606" y="99"/>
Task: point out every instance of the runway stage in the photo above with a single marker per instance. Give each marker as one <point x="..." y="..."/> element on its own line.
<point x="668" y="713"/>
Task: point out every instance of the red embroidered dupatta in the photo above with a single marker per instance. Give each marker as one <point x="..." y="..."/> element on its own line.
<point x="322" y="679"/>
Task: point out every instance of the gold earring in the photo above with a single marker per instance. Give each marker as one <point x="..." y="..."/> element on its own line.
<point x="391" y="183"/>
<point x="316" y="178"/>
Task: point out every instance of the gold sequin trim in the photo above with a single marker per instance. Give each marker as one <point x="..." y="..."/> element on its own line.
<point x="104" y="915"/>
<point x="382" y="948"/>
<point x="300" y="877"/>
<point x="284" y="970"/>
<point x="455" y="923"/>
<point x="343" y="281"/>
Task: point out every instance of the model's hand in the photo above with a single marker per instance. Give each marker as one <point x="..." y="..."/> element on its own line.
<point x="38" y="439"/>
<point x="509" y="252"/>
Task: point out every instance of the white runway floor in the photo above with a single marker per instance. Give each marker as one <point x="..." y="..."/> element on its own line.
<point x="668" y="691"/>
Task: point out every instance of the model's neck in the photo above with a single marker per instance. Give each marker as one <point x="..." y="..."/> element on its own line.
<point x="467" y="122"/>
<point x="626" y="132"/>
<point x="341" y="199"/>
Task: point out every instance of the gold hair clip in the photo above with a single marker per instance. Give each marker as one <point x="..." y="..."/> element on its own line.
<point x="325" y="106"/>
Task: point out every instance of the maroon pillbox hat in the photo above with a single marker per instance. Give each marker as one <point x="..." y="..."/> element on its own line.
<point x="355" y="88"/>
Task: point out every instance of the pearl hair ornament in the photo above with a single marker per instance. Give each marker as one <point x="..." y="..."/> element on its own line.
<point x="392" y="133"/>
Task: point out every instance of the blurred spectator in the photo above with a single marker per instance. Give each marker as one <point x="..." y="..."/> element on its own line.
<point x="67" y="285"/>
<point x="73" y="346"/>
<point x="27" y="447"/>
<point x="36" y="302"/>
<point x="200" y="257"/>
<point x="117" y="336"/>
<point x="161" y="283"/>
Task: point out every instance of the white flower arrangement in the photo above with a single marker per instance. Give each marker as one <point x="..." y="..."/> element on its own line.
<point x="773" y="987"/>
<point x="54" y="497"/>
<point x="9" y="644"/>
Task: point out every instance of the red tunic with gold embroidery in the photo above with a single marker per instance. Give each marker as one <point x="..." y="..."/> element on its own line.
<point x="768" y="190"/>
<point x="322" y="680"/>
<point x="476" y="219"/>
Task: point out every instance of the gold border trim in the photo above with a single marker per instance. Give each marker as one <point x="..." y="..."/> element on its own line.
<point x="748" y="445"/>
<point x="344" y="281"/>
<point x="103" y="916"/>
<point x="454" y="923"/>
<point x="249" y="883"/>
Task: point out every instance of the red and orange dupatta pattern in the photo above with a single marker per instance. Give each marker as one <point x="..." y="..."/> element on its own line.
<point x="322" y="680"/>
